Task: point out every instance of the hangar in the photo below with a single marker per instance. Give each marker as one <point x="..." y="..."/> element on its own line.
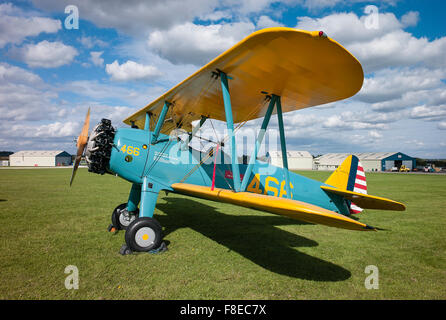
<point x="371" y="161"/>
<point x="297" y="160"/>
<point x="40" y="159"/>
<point x="4" y="158"/>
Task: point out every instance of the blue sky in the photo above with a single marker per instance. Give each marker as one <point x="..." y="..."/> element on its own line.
<point x="127" y="53"/>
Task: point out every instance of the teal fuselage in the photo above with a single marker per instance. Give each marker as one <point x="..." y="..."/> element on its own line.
<point x="167" y="162"/>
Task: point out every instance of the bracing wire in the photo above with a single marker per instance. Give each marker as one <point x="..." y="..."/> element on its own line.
<point x="212" y="151"/>
<point x="203" y="91"/>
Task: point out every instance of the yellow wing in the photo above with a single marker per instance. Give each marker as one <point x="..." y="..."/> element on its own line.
<point x="302" y="67"/>
<point x="291" y="208"/>
<point x="367" y="201"/>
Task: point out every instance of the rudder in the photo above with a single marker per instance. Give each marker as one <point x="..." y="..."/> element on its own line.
<point x="349" y="176"/>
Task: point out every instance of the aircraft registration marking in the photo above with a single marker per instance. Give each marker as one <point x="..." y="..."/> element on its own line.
<point x="130" y="150"/>
<point x="271" y="185"/>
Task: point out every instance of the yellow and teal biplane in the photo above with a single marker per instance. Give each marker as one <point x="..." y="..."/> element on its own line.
<point x="272" y="71"/>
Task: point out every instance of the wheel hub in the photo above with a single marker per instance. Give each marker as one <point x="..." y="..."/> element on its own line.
<point x="145" y="237"/>
<point x="125" y="218"/>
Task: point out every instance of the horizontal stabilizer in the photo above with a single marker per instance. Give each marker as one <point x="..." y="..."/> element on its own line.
<point x="291" y="208"/>
<point x="367" y="201"/>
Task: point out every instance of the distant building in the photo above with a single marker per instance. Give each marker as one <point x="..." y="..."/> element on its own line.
<point x="371" y="161"/>
<point x="297" y="160"/>
<point x="40" y="159"/>
<point x="4" y="158"/>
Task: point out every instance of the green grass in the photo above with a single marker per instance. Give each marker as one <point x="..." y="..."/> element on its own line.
<point x="216" y="251"/>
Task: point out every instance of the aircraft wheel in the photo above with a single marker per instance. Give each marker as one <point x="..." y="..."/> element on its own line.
<point x="143" y="234"/>
<point x="121" y="218"/>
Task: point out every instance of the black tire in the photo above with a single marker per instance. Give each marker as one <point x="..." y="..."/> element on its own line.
<point x="116" y="217"/>
<point x="143" y="234"/>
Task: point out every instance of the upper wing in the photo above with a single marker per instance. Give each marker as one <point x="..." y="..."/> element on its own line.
<point x="367" y="201"/>
<point x="286" y="207"/>
<point x="302" y="67"/>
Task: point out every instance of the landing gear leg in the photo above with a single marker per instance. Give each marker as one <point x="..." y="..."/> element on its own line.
<point x="144" y="234"/>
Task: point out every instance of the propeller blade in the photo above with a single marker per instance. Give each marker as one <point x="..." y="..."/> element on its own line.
<point x="81" y="143"/>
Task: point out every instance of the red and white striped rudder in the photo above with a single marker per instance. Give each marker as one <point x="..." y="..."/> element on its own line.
<point x="360" y="187"/>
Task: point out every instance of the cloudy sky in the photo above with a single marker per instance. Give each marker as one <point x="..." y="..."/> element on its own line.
<point x="123" y="54"/>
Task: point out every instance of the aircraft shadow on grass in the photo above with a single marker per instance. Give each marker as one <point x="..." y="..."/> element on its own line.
<point x="254" y="237"/>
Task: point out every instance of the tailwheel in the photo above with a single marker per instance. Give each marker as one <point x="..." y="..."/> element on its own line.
<point x="121" y="217"/>
<point x="143" y="235"/>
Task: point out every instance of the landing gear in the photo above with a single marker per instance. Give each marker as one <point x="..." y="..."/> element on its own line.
<point x="144" y="234"/>
<point x="121" y="217"/>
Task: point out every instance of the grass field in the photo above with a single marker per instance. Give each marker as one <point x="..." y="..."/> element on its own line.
<point x="216" y="251"/>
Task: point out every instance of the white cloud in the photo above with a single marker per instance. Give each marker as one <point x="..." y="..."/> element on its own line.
<point x="95" y="57"/>
<point x="314" y="5"/>
<point x="347" y="28"/>
<point x="57" y="133"/>
<point x="414" y="142"/>
<point x="442" y="125"/>
<point x="131" y="70"/>
<point x="338" y="123"/>
<point x="428" y="112"/>
<point x="24" y="95"/>
<point x="47" y="54"/>
<point x="12" y="74"/>
<point x="386" y="46"/>
<point x="55" y="129"/>
<point x="106" y="92"/>
<point x="197" y="44"/>
<point x="410" y="19"/>
<point x="136" y="17"/>
<point x="140" y="17"/>
<point x="301" y="120"/>
<point x="389" y="84"/>
<point x="216" y="15"/>
<point x="400" y="48"/>
<point x="375" y="134"/>
<point x="349" y="120"/>
<point x="114" y="113"/>
<point x="90" y="42"/>
<point x="379" y="117"/>
<point x="267" y="22"/>
<point x="251" y="6"/>
<point x="319" y="4"/>
<point x="14" y="27"/>
<point x="31" y="111"/>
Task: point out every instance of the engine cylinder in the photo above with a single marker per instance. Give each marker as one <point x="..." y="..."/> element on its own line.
<point x="99" y="147"/>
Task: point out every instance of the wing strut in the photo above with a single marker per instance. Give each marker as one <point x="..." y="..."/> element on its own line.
<point x="147" y="122"/>
<point x="283" y="148"/>
<point x="160" y="122"/>
<point x="275" y="101"/>
<point x="195" y="129"/>
<point x="259" y="140"/>
<point x="230" y="126"/>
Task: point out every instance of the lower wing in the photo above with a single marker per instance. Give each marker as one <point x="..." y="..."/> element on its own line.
<point x="291" y="208"/>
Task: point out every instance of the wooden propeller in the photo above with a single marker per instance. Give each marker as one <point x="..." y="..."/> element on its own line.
<point x="81" y="143"/>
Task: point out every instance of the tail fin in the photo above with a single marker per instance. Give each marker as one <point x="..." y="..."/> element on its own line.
<point x="349" y="176"/>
